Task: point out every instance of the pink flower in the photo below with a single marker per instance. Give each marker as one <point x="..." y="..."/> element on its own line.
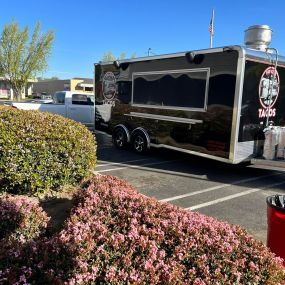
<point x="117" y="236"/>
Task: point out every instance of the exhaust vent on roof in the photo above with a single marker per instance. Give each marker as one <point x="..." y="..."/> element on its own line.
<point x="258" y="37"/>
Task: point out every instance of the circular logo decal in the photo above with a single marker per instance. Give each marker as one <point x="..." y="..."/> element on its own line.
<point x="109" y="86"/>
<point x="269" y="87"/>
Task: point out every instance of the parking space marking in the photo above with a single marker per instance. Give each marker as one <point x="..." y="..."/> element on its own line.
<point x="102" y="133"/>
<point x="122" y="162"/>
<point x="216" y="188"/>
<point x="137" y="166"/>
<point x="230" y="197"/>
<point x="175" y="173"/>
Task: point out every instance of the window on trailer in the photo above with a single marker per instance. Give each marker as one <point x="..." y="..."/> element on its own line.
<point x="186" y="89"/>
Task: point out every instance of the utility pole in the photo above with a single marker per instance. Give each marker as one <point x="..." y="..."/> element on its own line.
<point x="148" y="51"/>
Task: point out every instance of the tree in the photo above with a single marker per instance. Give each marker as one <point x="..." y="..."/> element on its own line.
<point x="21" y="60"/>
<point x="47" y="78"/>
<point x="108" y="56"/>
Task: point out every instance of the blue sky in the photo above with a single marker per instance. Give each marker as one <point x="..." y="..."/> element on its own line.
<point x="85" y="30"/>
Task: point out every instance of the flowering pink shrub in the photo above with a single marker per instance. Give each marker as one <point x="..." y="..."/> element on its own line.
<point x="21" y="219"/>
<point x="117" y="236"/>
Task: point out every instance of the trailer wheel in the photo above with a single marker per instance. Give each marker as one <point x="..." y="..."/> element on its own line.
<point x="139" y="142"/>
<point x="120" y="139"/>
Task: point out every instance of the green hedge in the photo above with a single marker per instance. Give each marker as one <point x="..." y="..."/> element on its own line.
<point x="40" y="151"/>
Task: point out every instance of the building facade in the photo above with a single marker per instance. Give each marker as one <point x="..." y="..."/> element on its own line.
<point x="51" y="86"/>
<point x="6" y="91"/>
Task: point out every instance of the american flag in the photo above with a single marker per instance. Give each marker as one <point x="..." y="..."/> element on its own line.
<point x="211" y="27"/>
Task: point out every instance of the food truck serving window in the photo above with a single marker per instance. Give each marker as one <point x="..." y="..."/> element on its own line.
<point x="171" y="89"/>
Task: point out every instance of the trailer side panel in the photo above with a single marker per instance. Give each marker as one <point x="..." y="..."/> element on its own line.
<point x="183" y="104"/>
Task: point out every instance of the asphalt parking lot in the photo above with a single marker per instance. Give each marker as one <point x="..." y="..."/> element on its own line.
<point x="236" y="194"/>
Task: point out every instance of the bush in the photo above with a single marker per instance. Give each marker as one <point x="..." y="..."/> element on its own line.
<point x="117" y="236"/>
<point x="21" y="219"/>
<point x="41" y="151"/>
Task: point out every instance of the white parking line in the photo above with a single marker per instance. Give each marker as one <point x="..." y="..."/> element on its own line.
<point x="103" y="133"/>
<point x="230" y="197"/>
<point x="216" y="188"/>
<point x="121" y="163"/>
<point x="137" y="166"/>
<point x="200" y="177"/>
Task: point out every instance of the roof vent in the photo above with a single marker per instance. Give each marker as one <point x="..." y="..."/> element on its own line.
<point x="258" y="37"/>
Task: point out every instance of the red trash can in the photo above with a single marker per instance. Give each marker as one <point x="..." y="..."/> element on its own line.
<point x="276" y="225"/>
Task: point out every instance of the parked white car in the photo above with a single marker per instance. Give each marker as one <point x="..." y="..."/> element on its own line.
<point x="73" y="105"/>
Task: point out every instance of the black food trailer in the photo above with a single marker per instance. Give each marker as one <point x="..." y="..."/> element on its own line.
<point x="224" y="103"/>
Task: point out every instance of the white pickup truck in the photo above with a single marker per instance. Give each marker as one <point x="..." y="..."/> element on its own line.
<point x="73" y="105"/>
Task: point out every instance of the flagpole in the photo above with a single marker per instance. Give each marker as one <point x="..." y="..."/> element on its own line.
<point x="212" y="29"/>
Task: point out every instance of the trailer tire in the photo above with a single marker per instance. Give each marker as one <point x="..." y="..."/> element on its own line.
<point x="139" y="142"/>
<point x="120" y="138"/>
